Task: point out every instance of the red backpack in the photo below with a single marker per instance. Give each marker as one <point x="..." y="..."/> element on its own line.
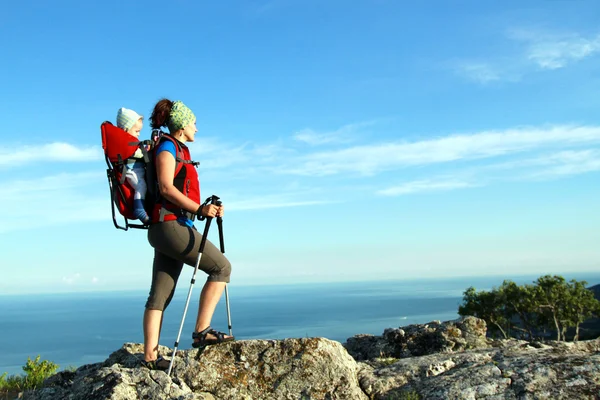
<point x="119" y="148"/>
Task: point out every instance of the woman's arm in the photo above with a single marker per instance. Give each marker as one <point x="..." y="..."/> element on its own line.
<point x="165" y="173"/>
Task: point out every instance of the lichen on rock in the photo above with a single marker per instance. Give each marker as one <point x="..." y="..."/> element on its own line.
<point x="438" y="360"/>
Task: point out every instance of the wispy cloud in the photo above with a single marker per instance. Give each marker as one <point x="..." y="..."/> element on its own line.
<point x="565" y="163"/>
<point x="59" y="199"/>
<point x="538" y="50"/>
<point x="545" y="167"/>
<point x="345" y="134"/>
<point x="219" y="155"/>
<point x="72" y="198"/>
<point x="479" y="159"/>
<point x="371" y="159"/>
<point x="424" y="186"/>
<point x="480" y="72"/>
<point x="288" y="174"/>
<point x="18" y="189"/>
<point x="49" y="152"/>
<point x="76" y="210"/>
<point x="568" y="162"/>
<point x="555" y="50"/>
<point x="70" y="280"/>
<point x="79" y="279"/>
<point x="50" y="212"/>
<point x="263" y="204"/>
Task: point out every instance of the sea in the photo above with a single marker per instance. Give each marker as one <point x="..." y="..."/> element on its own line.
<point x="73" y="329"/>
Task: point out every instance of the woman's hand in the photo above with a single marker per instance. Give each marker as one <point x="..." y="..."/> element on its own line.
<point x="212" y="211"/>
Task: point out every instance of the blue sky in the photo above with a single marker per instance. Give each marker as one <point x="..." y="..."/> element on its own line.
<point x="363" y="140"/>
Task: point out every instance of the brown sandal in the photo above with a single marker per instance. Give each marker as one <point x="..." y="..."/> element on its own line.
<point x="160" y="364"/>
<point x="201" y="340"/>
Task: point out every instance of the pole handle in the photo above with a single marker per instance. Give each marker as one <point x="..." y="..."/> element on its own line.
<point x="220" y="225"/>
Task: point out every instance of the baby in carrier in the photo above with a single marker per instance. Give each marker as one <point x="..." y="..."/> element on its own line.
<point x="135" y="171"/>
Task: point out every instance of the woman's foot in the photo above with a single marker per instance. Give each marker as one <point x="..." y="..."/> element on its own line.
<point x="160" y="364"/>
<point x="209" y="336"/>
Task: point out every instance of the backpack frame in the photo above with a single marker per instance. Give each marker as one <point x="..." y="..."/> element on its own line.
<point x="118" y="151"/>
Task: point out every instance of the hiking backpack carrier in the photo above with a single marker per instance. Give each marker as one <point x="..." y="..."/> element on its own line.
<point x="119" y="148"/>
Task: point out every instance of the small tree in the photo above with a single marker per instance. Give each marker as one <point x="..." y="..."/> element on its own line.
<point x="487" y="306"/>
<point x="520" y="301"/>
<point x="550" y="295"/>
<point x="550" y="304"/>
<point x="580" y="305"/>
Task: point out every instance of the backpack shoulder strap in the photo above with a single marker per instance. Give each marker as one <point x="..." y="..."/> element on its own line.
<point x="178" y="152"/>
<point x="179" y="155"/>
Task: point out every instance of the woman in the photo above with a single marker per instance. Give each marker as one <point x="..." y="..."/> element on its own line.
<point x="173" y="236"/>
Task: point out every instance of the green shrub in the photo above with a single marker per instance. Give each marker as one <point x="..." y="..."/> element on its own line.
<point x="11" y="384"/>
<point x="36" y="372"/>
<point x="3" y="381"/>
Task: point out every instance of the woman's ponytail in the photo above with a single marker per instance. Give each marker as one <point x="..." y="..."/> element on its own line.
<point x="160" y="114"/>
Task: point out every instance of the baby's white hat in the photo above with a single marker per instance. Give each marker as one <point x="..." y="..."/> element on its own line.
<point x="126" y="118"/>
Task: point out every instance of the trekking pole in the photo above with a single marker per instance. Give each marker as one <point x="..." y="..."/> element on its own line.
<point x="187" y="301"/>
<point x="220" y="225"/>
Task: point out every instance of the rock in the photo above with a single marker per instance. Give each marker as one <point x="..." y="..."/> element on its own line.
<point x="312" y="368"/>
<point x="365" y="347"/>
<point x="439" y="360"/>
<point x="421" y="339"/>
<point x="116" y="383"/>
<point x="379" y="380"/>
<point x="308" y="368"/>
<point x="556" y="370"/>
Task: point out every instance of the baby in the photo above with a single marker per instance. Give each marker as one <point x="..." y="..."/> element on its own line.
<point x="132" y="123"/>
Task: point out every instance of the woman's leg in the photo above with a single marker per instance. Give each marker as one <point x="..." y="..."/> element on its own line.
<point x="183" y="243"/>
<point x="152" y="326"/>
<point x="165" y="273"/>
<point x="219" y="270"/>
<point x="211" y="293"/>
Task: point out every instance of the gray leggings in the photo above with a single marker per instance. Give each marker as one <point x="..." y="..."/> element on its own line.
<point x="176" y="244"/>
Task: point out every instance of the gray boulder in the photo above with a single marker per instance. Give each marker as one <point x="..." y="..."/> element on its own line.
<point x="421" y="339"/>
<point x="449" y="360"/>
<point x="309" y="368"/>
<point x="512" y="369"/>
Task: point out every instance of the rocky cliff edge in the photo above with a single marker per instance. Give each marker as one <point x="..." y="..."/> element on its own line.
<point x="438" y="360"/>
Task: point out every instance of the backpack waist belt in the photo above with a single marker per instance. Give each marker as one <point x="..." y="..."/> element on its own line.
<point x="171" y="215"/>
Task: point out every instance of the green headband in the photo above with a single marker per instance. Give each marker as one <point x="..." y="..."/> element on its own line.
<point x="180" y="117"/>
